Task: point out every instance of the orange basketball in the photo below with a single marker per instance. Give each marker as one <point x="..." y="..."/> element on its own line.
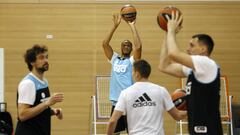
<point x="179" y="99"/>
<point x="128" y="13"/>
<point x="161" y="17"/>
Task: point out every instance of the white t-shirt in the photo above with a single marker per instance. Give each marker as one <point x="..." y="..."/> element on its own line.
<point x="205" y="69"/>
<point x="27" y="90"/>
<point x="144" y="104"/>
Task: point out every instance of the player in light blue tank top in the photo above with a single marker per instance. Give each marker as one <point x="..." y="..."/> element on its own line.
<point x="121" y="74"/>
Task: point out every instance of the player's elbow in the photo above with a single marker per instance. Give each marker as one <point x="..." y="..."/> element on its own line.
<point x="161" y="67"/>
<point x="22" y="117"/>
<point x="104" y="43"/>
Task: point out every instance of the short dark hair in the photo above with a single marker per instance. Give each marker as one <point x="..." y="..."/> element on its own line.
<point x="31" y="54"/>
<point x="143" y="67"/>
<point x="206" y="40"/>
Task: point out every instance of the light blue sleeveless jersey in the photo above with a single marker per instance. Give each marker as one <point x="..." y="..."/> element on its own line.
<point x="121" y="76"/>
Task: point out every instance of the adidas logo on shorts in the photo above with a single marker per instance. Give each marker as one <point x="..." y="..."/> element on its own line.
<point x="144" y="100"/>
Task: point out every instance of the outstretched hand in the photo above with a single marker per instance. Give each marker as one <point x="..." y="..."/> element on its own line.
<point x="116" y="19"/>
<point x="174" y="22"/>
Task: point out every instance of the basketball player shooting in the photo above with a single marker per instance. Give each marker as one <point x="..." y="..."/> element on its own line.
<point x="121" y="74"/>
<point x="203" y="83"/>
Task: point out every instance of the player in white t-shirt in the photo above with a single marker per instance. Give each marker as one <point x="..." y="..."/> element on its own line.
<point x="144" y="104"/>
<point x="203" y="83"/>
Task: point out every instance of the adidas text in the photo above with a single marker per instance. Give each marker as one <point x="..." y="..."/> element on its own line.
<point x="142" y="104"/>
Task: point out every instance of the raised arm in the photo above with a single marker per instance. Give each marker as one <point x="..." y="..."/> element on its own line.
<point x="166" y="65"/>
<point x="173" y="51"/>
<point x="106" y="46"/>
<point x="137" y="48"/>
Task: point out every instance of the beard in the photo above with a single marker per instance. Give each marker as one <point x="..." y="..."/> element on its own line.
<point x="43" y="68"/>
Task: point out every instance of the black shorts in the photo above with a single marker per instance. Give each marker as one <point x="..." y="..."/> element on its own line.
<point x="121" y="124"/>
